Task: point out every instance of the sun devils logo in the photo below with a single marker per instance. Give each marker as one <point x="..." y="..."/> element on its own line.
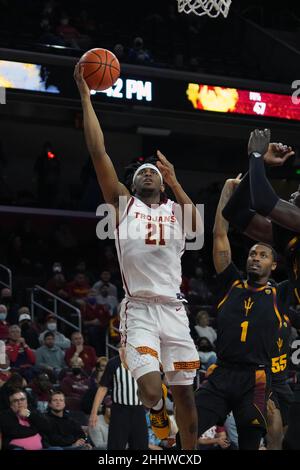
<point x="279" y="343"/>
<point x="248" y="304"/>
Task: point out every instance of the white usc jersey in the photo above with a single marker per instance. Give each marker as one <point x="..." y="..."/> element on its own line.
<point x="150" y="243"/>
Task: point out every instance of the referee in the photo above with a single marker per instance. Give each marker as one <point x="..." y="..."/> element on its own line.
<point x="128" y="419"/>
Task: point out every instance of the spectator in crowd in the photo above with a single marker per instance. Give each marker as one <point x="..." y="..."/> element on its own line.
<point x="75" y="385"/>
<point x="22" y="427"/>
<point x="79" y="349"/>
<point x="88" y="398"/>
<point x="207" y="354"/>
<point x="154" y="442"/>
<point x="105" y="277"/>
<point x="214" y="438"/>
<point x="198" y="287"/>
<point x="81" y="268"/>
<point x="99" y="432"/>
<point x="15" y="381"/>
<point x="28" y="331"/>
<point x="109" y="301"/>
<point x="5" y="372"/>
<point x="96" y="320"/>
<point x="138" y="54"/>
<point x="202" y="327"/>
<point x="79" y="287"/>
<point x="64" y="431"/>
<point x="12" y="308"/>
<point x="3" y="322"/>
<point x="50" y="357"/>
<point x="19" y="353"/>
<point x="51" y="325"/>
<point x="58" y="285"/>
<point x="100" y="367"/>
<point x="41" y="387"/>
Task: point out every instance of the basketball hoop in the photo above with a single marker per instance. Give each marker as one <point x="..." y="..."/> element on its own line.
<point x="211" y="8"/>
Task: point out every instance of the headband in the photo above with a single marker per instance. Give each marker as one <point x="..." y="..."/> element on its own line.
<point x="147" y="165"/>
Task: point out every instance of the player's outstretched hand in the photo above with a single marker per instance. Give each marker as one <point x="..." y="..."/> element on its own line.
<point x="167" y="170"/>
<point x="80" y="81"/>
<point x="277" y="154"/>
<point x="259" y="141"/>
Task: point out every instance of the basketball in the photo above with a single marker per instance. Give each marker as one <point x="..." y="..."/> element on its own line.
<point x="101" y="68"/>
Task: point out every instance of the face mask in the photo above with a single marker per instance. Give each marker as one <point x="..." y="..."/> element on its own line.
<point x="3" y="316"/>
<point x="51" y="326"/>
<point x="76" y="370"/>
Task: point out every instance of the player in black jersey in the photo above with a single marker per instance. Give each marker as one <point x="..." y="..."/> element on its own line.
<point x="253" y="200"/>
<point x="250" y="314"/>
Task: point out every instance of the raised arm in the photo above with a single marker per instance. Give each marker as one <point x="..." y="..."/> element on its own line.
<point x="107" y="177"/>
<point x="263" y="197"/>
<point x="190" y="216"/>
<point x="221" y="245"/>
<point x="239" y="213"/>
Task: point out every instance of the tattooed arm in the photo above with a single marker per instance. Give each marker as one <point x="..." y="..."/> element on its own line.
<point x="221" y="247"/>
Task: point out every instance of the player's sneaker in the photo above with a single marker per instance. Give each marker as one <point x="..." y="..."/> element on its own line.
<point x="160" y="422"/>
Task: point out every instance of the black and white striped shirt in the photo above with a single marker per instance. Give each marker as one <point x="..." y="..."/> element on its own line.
<point x="121" y="383"/>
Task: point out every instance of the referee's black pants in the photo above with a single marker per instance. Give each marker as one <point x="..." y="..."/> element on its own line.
<point x="127" y="426"/>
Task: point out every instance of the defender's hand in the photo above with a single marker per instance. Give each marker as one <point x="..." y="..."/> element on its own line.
<point x="277" y="154"/>
<point x="259" y="141"/>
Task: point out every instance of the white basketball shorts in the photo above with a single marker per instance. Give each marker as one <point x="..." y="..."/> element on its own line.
<point x="156" y="337"/>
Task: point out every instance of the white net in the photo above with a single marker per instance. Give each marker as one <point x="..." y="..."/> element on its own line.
<point x="211" y="8"/>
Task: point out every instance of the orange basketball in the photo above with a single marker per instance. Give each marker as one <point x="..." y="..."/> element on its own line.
<point x="101" y="68"/>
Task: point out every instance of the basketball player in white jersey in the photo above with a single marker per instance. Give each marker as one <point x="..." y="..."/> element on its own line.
<point x="150" y="241"/>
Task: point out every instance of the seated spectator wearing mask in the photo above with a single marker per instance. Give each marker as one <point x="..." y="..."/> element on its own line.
<point x="28" y="330"/>
<point x="51" y="325"/>
<point x="3" y="323"/>
<point x="74" y="386"/>
<point x="50" y="357"/>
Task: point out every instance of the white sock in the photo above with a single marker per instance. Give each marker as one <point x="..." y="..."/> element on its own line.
<point x="158" y="405"/>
